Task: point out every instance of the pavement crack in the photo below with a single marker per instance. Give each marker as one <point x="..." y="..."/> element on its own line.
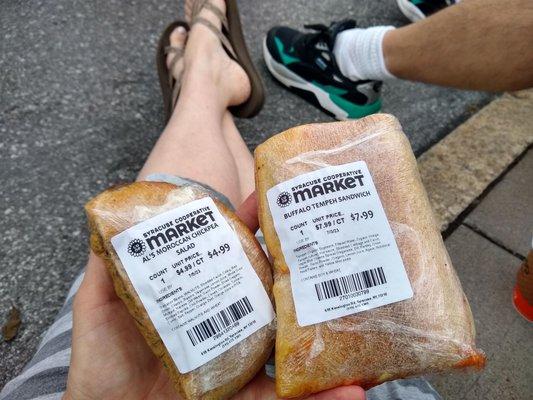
<point x="494" y="241"/>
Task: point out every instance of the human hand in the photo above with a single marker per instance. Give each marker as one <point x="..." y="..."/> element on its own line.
<point x="111" y="360"/>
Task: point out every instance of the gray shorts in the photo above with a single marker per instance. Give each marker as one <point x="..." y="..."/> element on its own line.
<point x="45" y="376"/>
<point x="179" y="181"/>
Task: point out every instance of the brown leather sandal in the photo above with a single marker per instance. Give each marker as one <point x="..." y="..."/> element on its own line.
<point x="232" y="40"/>
<point x="170" y="87"/>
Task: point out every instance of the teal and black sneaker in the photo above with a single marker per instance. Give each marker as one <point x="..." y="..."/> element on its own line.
<point x="416" y="10"/>
<point x="304" y="62"/>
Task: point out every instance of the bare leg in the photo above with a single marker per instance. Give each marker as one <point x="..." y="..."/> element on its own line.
<point x="476" y="44"/>
<point x="242" y="156"/>
<point x="201" y="141"/>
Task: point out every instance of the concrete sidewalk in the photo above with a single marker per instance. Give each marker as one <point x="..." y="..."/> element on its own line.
<point x="486" y="248"/>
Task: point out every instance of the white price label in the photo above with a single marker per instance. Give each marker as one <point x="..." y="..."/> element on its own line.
<point x="195" y="281"/>
<point x="337" y="242"/>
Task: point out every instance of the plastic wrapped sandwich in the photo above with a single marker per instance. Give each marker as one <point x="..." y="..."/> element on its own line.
<point x="194" y="279"/>
<point x="364" y="288"/>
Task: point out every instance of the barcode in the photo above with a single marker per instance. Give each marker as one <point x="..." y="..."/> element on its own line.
<point x="223" y="319"/>
<point x="350" y="283"/>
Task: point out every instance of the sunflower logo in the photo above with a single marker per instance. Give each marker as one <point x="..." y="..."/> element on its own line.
<point x="136" y="248"/>
<point x="284" y="199"/>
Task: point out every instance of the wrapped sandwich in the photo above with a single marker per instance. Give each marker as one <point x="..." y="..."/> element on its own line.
<point x="364" y="288"/>
<point x="194" y="279"/>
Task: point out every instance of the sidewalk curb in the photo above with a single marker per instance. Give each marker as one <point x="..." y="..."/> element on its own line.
<point x="461" y="166"/>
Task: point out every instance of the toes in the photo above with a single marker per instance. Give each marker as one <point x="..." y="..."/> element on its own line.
<point x="177" y="38"/>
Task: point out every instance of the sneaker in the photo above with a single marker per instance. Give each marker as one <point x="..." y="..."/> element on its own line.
<point x="304" y="62"/>
<point x="416" y="10"/>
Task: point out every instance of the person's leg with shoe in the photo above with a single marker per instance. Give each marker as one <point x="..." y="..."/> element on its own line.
<point x="194" y="144"/>
<point x="476" y="44"/>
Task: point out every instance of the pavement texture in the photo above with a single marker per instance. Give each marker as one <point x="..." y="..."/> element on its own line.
<point x="507" y="211"/>
<point x="80" y="109"/>
<point x="487" y="250"/>
<point x="487" y="273"/>
<point x="459" y="168"/>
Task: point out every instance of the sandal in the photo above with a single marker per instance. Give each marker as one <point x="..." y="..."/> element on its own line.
<point x="170" y="87"/>
<point x="232" y="40"/>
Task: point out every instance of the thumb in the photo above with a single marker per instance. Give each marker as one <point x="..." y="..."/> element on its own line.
<point x="96" y="288"/>
<point x="247" y="212"/>
<point x="340" y="393"/>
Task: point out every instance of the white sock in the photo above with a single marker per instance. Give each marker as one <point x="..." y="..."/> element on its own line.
<point x="359" y="53"/>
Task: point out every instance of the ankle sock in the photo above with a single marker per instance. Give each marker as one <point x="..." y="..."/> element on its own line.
<point x="359" y="53"/>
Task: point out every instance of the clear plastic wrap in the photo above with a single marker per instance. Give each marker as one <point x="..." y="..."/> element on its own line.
<point x="431" y="332"/>
<point x="120" y="208"/>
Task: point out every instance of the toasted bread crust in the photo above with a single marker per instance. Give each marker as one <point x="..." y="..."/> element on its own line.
<point x="433" y="331"/>
<point x="119" y="208"/>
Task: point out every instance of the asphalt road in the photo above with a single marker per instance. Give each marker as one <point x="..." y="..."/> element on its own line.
<point x="80" y="109"/>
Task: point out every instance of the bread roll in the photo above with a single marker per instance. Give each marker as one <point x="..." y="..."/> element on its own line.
<point x="432" y="331"/>
<point x="120" y="208"/>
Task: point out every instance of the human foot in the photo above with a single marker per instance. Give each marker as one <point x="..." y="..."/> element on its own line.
<point x="205" y="58"/>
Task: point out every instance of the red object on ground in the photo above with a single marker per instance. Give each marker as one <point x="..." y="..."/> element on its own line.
<point x="523" y="291"/>
<point x="521" y="304"/>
